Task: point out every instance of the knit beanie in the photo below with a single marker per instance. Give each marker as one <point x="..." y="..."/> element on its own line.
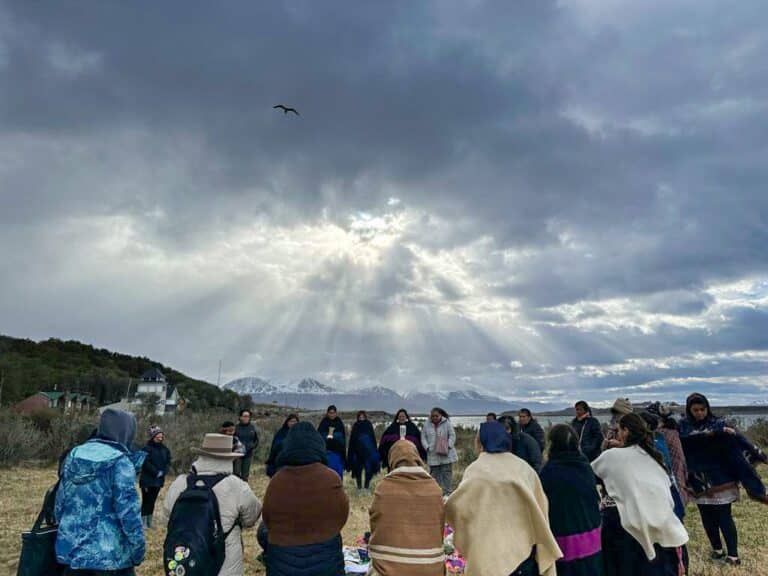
<point x="154" y="431"/>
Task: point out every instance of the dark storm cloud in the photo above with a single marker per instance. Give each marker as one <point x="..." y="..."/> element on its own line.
<point x="551" y="154"/>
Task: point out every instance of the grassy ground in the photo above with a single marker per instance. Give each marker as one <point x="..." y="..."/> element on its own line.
<point x="22" y="489"/>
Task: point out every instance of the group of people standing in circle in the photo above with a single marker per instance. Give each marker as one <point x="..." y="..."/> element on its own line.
<point x="608" y="499"/>
<point x="603" y="503"/>
<point x="363" y="456"/>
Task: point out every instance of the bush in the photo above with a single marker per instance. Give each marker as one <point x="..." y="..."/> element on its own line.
<point x="758" y="432"/>
<point x="24" y="439"/>
<point x="42" y="418"/>
<point x="66" y="432"/>
<point x="186" y="430"/>
<point x="19" y="439"/>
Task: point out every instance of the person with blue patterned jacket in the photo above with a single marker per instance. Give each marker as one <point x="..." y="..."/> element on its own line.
<point x="97" y="505"/>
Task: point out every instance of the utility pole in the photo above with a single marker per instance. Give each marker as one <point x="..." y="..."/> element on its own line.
<point x="2" y="381"/>
<point x="218" y="380"/>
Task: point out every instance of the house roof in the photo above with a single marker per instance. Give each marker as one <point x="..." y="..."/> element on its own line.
<point x="153" y="375"/>
<point x="52" y="395"/>
<point x="169" y="392"/>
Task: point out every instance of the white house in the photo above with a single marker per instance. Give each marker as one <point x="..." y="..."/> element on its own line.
<point x="153" y="382"/>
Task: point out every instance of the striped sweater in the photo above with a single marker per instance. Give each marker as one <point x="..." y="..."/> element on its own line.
<point x="407" y="519"/>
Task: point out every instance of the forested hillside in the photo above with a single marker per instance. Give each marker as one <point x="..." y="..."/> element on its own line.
<point x="27" y="367"/>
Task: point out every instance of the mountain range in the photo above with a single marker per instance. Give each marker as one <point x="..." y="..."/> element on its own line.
<point x="311" y="394"/>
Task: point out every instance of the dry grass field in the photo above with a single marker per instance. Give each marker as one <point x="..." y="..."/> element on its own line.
<point x="22" y="489"/>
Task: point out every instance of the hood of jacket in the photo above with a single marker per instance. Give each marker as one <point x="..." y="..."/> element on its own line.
<point x="117" y="426"/>
<point x="97" y="456"/>
<point x="404" y="453"/>
<point x="303" y="445"/>
<point x="494" y="438"/>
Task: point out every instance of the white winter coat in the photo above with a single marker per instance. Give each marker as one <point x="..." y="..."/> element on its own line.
<point x="429" y="434"/>
<point x="236" y="501"/>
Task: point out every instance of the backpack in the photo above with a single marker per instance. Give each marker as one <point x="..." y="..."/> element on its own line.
<point x="195" y="542"/>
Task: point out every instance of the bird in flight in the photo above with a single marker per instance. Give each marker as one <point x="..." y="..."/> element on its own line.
<point x="286" y="109"/>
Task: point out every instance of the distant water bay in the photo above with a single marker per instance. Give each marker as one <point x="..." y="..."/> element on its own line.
<point x="743" y="421"/>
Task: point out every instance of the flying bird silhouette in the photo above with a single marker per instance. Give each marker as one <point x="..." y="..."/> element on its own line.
<point x="287" y="109"/>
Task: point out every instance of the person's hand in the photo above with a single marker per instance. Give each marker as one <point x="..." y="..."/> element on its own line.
<point x="613" y="443"/>
<point x="729" y="430"/>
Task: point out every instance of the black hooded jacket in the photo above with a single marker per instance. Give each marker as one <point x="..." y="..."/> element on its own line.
<point x="303" y="445"/>
<point x="590" y="435"/>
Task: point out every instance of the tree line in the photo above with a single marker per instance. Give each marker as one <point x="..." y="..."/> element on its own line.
<point x="28" y="367"/>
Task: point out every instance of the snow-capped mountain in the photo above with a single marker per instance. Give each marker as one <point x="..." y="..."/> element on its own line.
<point x="312" y="394"/>
<point x="312" y="386"/>
<point x="260" y="387"/>
<point x="252" y="385"/>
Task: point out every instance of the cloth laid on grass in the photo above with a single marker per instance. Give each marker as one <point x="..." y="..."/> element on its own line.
<point x="407" y="518"/>
<point x="499" y="513"/>
<point x="641" y="490"/>
<point x="356" y="560"/>
<point x="454" y="561"/>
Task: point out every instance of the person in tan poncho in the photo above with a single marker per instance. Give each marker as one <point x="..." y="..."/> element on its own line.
<point x="499" y="513"/>
<point x="407" y="518"/>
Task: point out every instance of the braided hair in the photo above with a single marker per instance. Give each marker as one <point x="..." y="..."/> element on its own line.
<point x="640" y="435"/>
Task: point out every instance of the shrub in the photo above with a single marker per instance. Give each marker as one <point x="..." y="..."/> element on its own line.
<point x="42" y="418"/>
<point x="186" y="430"/>
<point x="758" y="432"/>
<point x="66" y="432"/>
<point x="19" y="439"/>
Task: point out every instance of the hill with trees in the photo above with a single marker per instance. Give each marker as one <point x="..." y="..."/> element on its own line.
<point x="27" y="367"/>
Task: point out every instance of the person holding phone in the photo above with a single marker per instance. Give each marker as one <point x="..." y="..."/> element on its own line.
<point x="402" y="428"/>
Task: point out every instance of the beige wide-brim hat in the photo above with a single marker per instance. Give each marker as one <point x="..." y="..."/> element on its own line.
<point x="622" y="406"/>
<point x="217" y="446"/>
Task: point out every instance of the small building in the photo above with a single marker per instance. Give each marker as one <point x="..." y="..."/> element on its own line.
<point x="67" y="402"/>
<point x="171" y="399"/>
<point x="154" y="383"/>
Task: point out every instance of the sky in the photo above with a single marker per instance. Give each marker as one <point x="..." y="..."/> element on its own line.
<point x="542" y="199"/>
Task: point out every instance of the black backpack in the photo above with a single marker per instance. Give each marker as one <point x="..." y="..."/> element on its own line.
<point x="195" y="542"/>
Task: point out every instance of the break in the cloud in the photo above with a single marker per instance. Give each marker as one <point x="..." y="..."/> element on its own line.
<point x="545" y="199"/>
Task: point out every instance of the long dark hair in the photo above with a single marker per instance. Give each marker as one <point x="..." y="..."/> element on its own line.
<point x="700" y="400"/>
<point x="583" y="404"/>
<point x="640" y="435"/>
<point x="440" y="411"/>
<point x="404" y="411"/>
<point x="562" y="438"/>
<point x="511" y="426"/>
<point x="289" y="418"/>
